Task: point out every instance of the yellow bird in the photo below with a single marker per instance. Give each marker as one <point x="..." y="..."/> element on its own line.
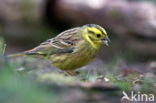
<point x="72" y="48"/>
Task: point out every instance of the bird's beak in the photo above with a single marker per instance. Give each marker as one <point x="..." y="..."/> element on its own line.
<point x="105" y="41"/>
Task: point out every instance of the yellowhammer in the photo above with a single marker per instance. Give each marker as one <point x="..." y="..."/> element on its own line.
<point x="72" y="48"/>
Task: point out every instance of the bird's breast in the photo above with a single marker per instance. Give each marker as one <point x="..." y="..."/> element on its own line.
<point x="82" y="55"/>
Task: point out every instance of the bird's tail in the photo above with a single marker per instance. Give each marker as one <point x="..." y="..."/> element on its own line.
<point x="17" y="55"/>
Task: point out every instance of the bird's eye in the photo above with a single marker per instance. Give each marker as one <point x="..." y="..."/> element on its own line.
<point x="98" y="35"/>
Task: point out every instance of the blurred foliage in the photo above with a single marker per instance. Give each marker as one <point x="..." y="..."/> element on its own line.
<point x="152" y="0"/>
<point x="17" y="88"/>
<point x="2" y="46"/>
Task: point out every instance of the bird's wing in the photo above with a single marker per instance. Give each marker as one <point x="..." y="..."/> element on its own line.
<point x="63" y="43"/>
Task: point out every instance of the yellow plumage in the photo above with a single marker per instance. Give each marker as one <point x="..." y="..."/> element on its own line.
<point x="73" y="48"/>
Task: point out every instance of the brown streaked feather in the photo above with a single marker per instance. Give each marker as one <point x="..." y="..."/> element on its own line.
<point x="63" y="43"/>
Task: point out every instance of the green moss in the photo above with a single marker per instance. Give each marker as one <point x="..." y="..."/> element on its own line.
<point x="17" y="88"/>
<point x="57" y="78"/>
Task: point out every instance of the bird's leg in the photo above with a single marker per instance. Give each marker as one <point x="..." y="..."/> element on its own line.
<point x="72" y="73"/>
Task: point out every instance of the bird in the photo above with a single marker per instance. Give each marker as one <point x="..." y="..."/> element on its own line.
<point x="71" y="49"/>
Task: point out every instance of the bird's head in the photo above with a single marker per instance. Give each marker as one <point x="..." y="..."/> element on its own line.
<point x="95" y="35"/>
